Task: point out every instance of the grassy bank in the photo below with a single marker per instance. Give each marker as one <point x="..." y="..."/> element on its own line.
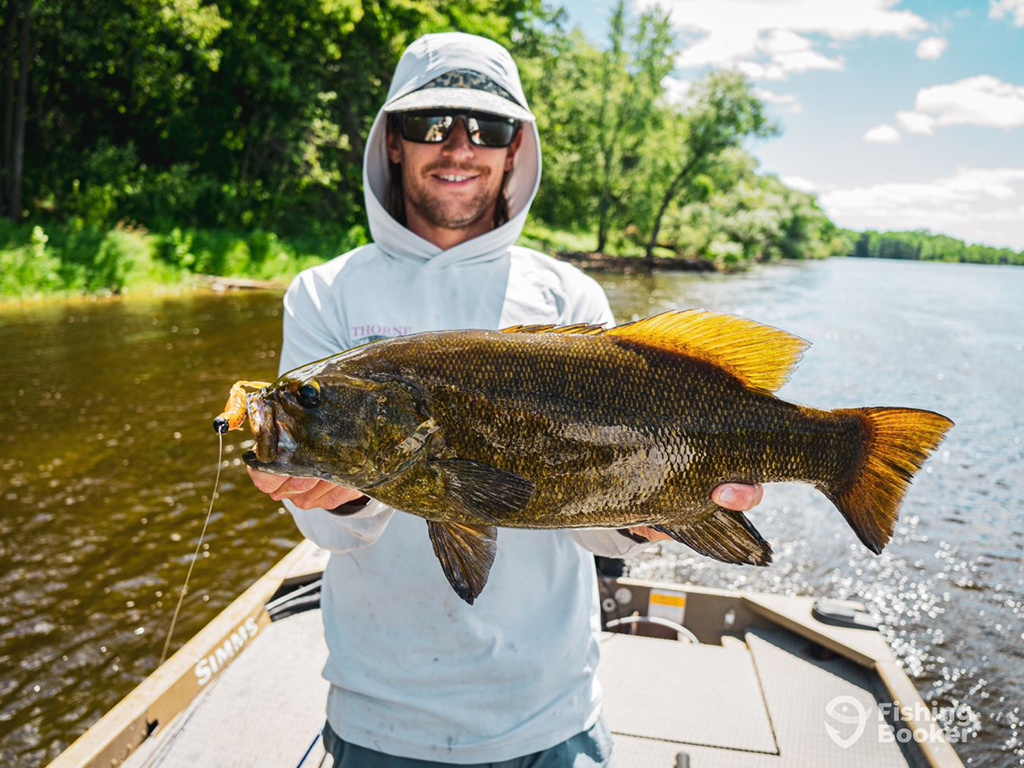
<point x="44" y="259"/>
<point x="553" y="240"/>
<point x="38" y="260"/>
<point x="66" y="259"/>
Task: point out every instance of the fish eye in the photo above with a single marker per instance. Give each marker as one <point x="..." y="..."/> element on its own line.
<point x="309" y="395"/>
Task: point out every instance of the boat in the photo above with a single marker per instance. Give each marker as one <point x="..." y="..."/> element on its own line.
<point x="692" y="676"/>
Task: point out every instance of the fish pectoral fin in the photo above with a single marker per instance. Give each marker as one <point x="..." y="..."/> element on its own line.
<point x="466" y="553"/>
<point x="724" y="535"/>
<point x="760" y="356"/>
<point x="483" y="491"/>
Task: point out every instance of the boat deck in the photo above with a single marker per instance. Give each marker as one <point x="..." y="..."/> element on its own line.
<point x="757" y="700"/>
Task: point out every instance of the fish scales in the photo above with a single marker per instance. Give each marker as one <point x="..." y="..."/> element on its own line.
<point x="579" y="426"/>
<point x="577" y="418"/>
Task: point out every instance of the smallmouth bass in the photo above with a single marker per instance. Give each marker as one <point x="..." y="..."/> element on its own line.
<point x="582" y="427"/>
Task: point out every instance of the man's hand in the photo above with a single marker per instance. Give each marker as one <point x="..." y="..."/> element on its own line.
<point x="308" y="493"/>
<point x="303" y="492"/>
<point x="729" y="495"/>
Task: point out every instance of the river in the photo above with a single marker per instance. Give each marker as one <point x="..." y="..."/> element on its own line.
<point x="107" y="460"/>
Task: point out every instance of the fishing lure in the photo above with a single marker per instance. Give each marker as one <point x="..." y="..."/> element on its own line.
<point x="234" y="410"/>
<point x="231" y="418"/>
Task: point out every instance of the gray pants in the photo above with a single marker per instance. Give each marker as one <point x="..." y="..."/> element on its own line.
<point x="589" y="749"/>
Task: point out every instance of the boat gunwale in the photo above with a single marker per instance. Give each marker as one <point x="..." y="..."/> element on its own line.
<point x="169" y="689"/>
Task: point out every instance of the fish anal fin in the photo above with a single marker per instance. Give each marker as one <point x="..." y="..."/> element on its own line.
<point x="482" y="491"/>
<point x="723" y="535"/>
<point x="761" y="356"/>
<point x="466" y="553"/>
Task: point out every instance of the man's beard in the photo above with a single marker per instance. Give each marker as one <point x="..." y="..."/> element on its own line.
<point x="434" y="209"/>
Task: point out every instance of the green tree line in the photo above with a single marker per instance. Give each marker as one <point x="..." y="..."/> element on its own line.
<point x="147" y="139"/>
<point x="921" y="245"/>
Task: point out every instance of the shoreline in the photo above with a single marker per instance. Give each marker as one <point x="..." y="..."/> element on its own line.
<point x="196" y="282"/>
<point x="587" y="260"/>
<point x="193" y="284"/>
<point x="628" y="265"/>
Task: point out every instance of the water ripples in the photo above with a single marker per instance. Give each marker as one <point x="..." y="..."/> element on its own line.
<point x="107" y="461"/>
<point x="949" y="587"/>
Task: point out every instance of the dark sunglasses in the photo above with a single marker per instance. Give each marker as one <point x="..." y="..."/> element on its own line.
<point x="435" y="126"/>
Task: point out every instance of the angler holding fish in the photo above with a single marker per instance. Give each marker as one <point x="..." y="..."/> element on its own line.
<point x="557" y="438"/>
<point x="580" y="426"/>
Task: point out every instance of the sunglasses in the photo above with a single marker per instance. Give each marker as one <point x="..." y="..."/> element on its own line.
<point x="435" y="126"/>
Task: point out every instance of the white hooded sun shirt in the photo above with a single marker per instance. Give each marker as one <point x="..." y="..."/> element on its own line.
<point x="415" y="671"/>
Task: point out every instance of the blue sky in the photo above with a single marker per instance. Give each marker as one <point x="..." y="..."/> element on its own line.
<point x="898" y="114"/>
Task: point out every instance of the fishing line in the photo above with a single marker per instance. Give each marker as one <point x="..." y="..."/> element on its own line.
<point x="195" y="555"/>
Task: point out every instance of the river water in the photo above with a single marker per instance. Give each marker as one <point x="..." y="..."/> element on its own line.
<point x="107" y="459"/>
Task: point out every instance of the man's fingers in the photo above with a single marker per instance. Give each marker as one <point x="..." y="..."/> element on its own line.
<point x="309" y="499"/>
<point x="737" y="497"/>
<point x="336" y="497"/>
<point x="650" y="534"/>
<point x="265" y="481"/>
<point x="326" y="496"/>
<point x="293" y="486"/>
<point x="303" y="492"/>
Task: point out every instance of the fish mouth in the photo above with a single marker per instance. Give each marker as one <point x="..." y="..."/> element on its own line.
<point x="273" y="442"/>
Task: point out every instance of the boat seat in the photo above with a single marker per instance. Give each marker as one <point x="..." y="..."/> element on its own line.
<point x="795" y="688"/>
<point x="688" y="694"/>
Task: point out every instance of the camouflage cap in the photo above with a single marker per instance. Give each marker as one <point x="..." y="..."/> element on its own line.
<point x="462" y="89"/>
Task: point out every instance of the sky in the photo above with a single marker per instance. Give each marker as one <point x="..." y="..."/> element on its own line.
<point x="898" y="114"/>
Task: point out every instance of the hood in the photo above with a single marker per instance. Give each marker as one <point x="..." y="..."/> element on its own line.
<point x="428" y="57"/>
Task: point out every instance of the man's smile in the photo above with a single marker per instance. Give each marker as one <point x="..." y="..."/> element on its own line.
<point x="455" y="178"/>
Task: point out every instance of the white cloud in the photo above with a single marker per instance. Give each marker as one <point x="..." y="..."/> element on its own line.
<point x="676" y="90"/>
<point x="913" y="122"/>
<point x="931" y="47"/>
<point x="799" y="183"/>
<point x="981" y="100"/>
<point x="1012" y="8"/>
<point x="791" y="52"/>
<point x="882" y="134"/>
<point x="975" y="204"/>
<point x="802" y="61"/>
<point x="769" y="38"/>
<point x="785" y="101"/>
<point x="759" y="72"/>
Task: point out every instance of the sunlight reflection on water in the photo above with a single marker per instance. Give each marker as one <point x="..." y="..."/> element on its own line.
<point x="107" y="460"/>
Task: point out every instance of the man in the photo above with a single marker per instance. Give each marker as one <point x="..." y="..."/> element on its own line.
<point x="418" y="677"/>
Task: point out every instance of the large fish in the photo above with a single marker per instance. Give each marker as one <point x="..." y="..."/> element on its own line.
<point x="579" y="426"/>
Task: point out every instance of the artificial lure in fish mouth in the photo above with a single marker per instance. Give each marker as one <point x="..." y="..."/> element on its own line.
<point x="584" y="427"/>
<point x="271" y="438"/>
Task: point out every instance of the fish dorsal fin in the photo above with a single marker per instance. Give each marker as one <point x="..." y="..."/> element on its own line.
<point x="578" y="328"/>
<point x="760" y="356"/>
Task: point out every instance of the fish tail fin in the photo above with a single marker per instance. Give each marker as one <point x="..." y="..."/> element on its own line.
<point x="894" y="444"/>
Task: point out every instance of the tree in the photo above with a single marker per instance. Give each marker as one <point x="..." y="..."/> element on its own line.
<point x="18" y="21"/>
<point x="631" y="87"/>
<point x="236" y="113"/>
<point x="722" y="113"/>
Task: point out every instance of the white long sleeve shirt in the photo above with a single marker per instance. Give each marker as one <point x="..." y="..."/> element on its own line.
<point x="415" y="671"/>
